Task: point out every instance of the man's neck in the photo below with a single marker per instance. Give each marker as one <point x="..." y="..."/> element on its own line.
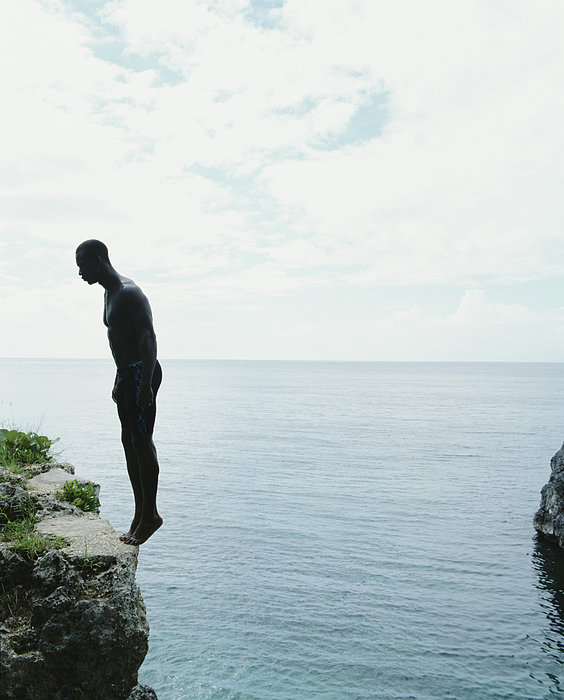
<point x="110" y="279"/>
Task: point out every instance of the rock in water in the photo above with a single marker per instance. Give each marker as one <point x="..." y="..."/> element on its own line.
<point x="142" y="692"/>
<point x="549" y="519"/>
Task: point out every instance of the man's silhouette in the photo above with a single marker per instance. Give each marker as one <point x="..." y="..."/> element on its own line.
<point x="128" y="318"/>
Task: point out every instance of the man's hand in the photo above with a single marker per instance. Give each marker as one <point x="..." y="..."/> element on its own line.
<point x="114" y="392"/>
<point x="145" y="396"/>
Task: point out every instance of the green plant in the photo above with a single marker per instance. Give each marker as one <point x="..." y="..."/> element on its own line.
<point x="8" y="461"/>
<point x="13" y="512"/>
<point x="84" y="495"/>
<point x="13" y="468"/>
<point x="18" y="448"/>
<point x="90" y="565"/>
<point x="27" y="543"/>
<point x="8" y="602"/>
<point x="21" y="538"/>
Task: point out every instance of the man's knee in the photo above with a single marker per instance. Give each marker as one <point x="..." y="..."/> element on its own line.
<point x="126" y="437"/>
<point x="142" y="442"/>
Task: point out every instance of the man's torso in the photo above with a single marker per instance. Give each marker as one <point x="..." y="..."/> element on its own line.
<point x="122" y="334"/>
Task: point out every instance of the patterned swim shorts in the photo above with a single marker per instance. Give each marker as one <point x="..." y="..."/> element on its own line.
<point x="138" y="420"/>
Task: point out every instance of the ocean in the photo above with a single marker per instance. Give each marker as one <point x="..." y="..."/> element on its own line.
<point x="332" y="530"/>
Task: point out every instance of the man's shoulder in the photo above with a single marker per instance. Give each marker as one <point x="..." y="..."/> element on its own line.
<point x="132" y="298"/>
<point x="129" y="290"/>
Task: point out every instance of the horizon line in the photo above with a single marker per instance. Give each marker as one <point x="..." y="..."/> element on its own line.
<point x="243" y="359"/>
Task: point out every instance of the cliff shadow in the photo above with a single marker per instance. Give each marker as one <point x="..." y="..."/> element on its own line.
<point x="548" y="563"/>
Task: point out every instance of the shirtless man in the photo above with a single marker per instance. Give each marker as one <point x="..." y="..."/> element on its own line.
<point x="128" y="318"/>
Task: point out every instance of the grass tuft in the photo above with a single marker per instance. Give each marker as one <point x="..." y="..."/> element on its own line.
<point x="17" y="530"/>
<point x="21" y="538"/>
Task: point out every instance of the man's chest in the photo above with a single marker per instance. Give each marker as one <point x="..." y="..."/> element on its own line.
<point x="115" y="312"/>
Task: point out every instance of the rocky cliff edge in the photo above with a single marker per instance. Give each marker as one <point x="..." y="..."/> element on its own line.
<point x="549" y="519"/>
<point x="73" y="620"/>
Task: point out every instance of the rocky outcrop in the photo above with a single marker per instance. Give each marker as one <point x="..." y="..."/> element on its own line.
<point x="73" y="620"/>
<point x="549" y="519"/>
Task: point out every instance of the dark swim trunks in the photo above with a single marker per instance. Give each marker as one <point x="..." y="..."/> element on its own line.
<point x="138" y="420"/>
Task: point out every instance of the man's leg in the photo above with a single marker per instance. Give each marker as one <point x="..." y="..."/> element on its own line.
<point x="141" y="455"/>
<point x="134" y="477"/>
<point x="147" y="475"/>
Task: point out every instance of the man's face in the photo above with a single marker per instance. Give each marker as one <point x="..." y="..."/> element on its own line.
<point x="88" y="267"/>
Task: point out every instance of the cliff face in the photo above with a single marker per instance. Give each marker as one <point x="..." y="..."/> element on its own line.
<point x="73" y="620"/>
<point x="549" y="519"/>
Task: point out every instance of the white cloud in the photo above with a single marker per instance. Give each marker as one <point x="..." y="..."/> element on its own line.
<point x="477" y="330"/>
<point x="221" y="161"/>
<point x="474" y="309"/>
<point x="464" y="169"/>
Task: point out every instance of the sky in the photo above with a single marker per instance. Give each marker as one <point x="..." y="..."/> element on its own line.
<point x="287" y="179"/>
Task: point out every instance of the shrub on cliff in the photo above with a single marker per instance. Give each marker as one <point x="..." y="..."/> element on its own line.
<point x="17" y="447"/>
<point x="84" y="495"/>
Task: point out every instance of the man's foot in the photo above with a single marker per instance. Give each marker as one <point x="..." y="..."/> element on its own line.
<point x="130" y="532"/>
<point x="142" y="533"/>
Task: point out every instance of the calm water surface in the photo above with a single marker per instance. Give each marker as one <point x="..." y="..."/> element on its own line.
<point x="332" y="530"/>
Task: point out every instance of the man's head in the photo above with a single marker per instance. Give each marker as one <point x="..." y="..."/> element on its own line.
<point x="91" y="257"/>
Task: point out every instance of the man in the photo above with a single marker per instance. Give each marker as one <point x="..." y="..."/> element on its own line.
<point x="128" y="318"/>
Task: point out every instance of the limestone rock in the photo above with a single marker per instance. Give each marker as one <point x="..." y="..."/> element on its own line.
<point x="44" y="467"/>
<point x="549" y="519"/>
<point x="14" y="569"/>
<point x="14" y="501"/>
<point x="52" y="480"/>
<point x="49" y="506"/>
<point x="88" y="535"/>
<point x="52" y="570"/>
<point x="10" y="477"/>
<point x="73" y="622"/>
<point x="142" y="692"/>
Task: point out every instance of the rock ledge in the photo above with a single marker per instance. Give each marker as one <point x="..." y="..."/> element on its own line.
<point x="73" y="622"/>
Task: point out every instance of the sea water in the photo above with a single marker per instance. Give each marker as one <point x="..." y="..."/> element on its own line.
<point x="332" y="530"/>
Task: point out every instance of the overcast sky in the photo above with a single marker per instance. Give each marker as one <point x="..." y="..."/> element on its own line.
<point x="287" y="179"/>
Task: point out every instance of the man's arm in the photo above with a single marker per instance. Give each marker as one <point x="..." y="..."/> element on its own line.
<point x="140" y="312"/>
<point x="114" y="391"/>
